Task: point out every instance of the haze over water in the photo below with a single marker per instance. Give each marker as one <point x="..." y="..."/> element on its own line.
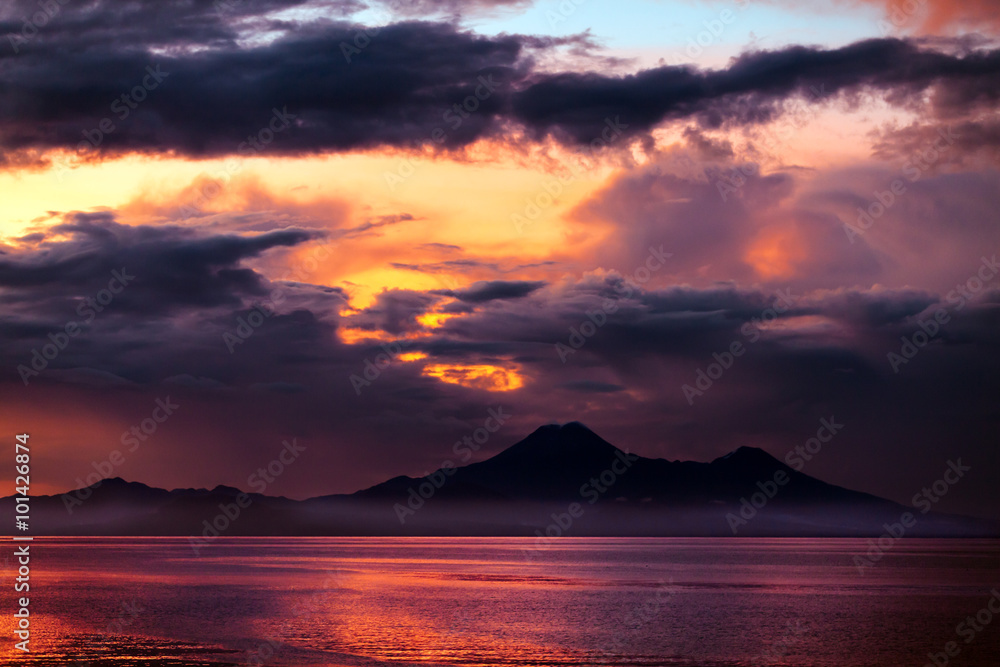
<point x="499" y="601"/>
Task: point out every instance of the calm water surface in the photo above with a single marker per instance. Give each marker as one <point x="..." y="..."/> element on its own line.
<point x="481" y="601"/>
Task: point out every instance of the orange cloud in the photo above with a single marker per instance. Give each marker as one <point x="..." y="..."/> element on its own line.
<point x="478" y="376"/>
<point x="775" y="253"/>
<point x="932" y="16"/>
<point x="435" y="320"/>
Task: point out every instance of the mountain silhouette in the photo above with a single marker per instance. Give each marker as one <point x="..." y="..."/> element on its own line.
<point x="555" y="461"/>
<point x="549" y="464"/>
<point x="555" y="471"/>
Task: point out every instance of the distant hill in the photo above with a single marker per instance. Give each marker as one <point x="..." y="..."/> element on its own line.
<point x="560" y="479"/>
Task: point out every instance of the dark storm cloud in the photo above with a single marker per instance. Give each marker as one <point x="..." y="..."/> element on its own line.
<point x="81" y="261"/>
<point x="870" y="309"/>
<point x="491" y="290"/>
<point x="220" y="84"/>
<point x="209" y="102"/>
<point x="395" y="311"/>
<point x="155" y="281"/>
<point x="976" y="139"/>
<point x="177" y="266"/>
<point x="187" y="278"/>
<point x="593" y="387"/>
<point x="706" y="147"/>
<point x="751" y="88"/>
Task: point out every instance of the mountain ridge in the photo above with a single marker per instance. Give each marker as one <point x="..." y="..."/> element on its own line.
<point x="512" y="493"/>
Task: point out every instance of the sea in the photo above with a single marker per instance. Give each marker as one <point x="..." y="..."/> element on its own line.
<point x="714" y="602"/>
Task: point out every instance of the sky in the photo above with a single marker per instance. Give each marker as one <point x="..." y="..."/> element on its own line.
<point x="690" y="225"/>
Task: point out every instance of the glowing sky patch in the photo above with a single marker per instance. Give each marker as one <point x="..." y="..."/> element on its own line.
<point x="478" y="376"/>
<point x="354" y="335"/>
<point x="775" y="253"/>
<point x="435" y="320"/>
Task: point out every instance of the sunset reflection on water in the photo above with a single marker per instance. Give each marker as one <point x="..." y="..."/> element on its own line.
<point x="479" y="601"/>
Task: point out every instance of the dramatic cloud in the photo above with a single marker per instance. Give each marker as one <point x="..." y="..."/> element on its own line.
<point x="318" y="87"/>
<point x="395" y="311"/>
<point x="164" y="334"/>
<point x="498" y="289"/>
<point x="839" y="228"/>
<point x="374" y="303"/>
<point x="179" y="267"/>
